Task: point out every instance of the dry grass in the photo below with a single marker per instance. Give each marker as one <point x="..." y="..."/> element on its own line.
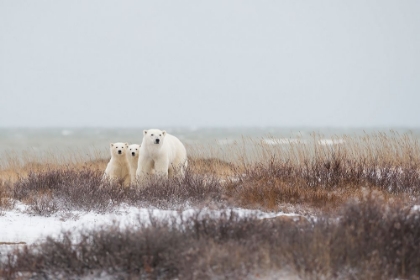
<point x="211" y="166"/>
<point x="6" y="201"/>
<point x="371" y="240"/>
<point x="14" y="165"/>
<point x="250" y="173"/>
<point x="325" y="176"/>
<point x="49" y="191"/>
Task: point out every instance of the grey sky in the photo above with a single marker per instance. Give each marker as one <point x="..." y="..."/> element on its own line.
<point x="209" y="63"/>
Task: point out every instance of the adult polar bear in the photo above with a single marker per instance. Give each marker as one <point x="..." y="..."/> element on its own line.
<point x="161" y="154"/>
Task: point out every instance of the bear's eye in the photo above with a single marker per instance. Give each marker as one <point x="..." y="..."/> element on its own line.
<point x="136" y="149"/>
<point x="160" y="134"/>
<point x="151" y="135"/>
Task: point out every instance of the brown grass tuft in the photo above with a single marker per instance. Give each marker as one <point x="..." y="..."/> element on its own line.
<point x="211" y="166"/>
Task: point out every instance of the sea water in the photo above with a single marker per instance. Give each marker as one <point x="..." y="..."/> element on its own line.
<point x="94" y="142"/>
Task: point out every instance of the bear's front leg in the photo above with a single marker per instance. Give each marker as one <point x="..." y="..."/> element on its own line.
<point x="127" y="179"/>
<point x="161" y="168"/>
<point x="144" y="171"/>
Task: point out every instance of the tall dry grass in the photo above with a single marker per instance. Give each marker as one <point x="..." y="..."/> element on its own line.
<point x="311" y="172"/>
<point x="263" y="173"/>
<point x="18" y="164"/>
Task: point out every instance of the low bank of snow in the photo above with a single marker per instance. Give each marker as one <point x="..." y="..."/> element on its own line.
<point x="18" y="226"/>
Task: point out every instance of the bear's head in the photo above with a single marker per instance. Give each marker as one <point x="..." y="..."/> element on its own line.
<point x="133" y="150"/>
<point x="154" y="136"/>
<point x="118" y="149"/>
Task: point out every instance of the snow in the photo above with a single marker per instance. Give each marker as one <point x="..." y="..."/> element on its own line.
<point x="415" y="208"/>
<point x="18" y="225"/>
<point x="329" y="142"/>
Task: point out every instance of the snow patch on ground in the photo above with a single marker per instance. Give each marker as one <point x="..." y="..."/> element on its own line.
<point x="18" y="226"/>
<point x="415" y="208"/>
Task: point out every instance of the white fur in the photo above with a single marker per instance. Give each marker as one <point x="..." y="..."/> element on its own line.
<point x="168" y="158"/>
<point x="117" y="168"/>
<point x="133" y="160"/>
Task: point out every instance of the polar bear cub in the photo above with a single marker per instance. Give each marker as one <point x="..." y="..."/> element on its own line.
<point x="117" y="168"/>
<point x="133" y="160"/>
<point x="161" y="154"/>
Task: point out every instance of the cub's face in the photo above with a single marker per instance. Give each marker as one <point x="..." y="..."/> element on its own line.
<point x="133" y="150"/>
<point x="154" y="136"/>
<point x="118" y="149"/>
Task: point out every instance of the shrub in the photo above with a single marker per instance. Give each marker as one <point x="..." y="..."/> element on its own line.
<point x="369" y="240"/>
<point x="71" y="189"/>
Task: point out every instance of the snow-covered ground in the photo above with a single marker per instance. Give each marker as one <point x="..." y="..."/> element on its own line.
<point x="18" y="226"/>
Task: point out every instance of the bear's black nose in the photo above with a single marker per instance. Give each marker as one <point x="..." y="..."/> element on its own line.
<point x="133" y="154"/>
<point x="119" y="152"/>
<point x="157" y="141"/>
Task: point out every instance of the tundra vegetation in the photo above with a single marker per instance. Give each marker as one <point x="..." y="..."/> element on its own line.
<point x="359" y="197"/>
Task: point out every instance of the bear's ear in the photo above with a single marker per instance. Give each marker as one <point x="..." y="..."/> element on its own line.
<point x="163" y="132"/>
<point x="112" y="144"/>
<point x="144" y="132"/>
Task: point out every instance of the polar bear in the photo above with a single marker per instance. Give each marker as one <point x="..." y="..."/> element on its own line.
<point x="117" y="168"/>
<point x="133" y="159"/>
<point x="162" y="155"/>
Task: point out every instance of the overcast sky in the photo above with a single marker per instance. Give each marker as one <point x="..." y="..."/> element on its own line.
<point x="209" y="63"/>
